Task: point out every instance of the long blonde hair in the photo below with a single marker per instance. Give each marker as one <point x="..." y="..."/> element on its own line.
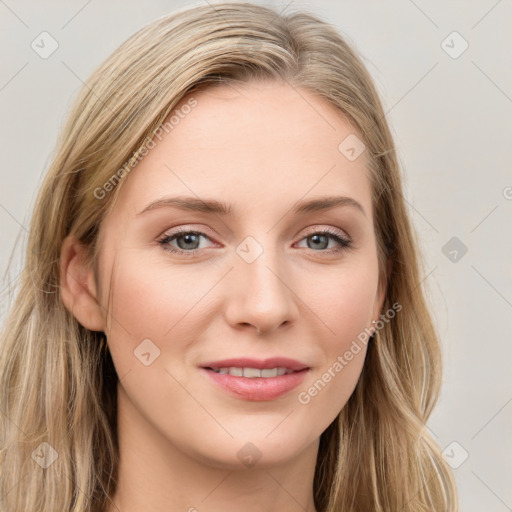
<point x="58" y="385"/>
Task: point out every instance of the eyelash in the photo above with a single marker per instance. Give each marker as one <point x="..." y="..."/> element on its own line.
<point x="345" y="243"/>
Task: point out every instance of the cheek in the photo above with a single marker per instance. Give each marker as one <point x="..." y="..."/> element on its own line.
<point x="156" y="315"/>
<point x="165" y="304"/>
<point x="343" y="300"/>
<point x="344" y="305"/>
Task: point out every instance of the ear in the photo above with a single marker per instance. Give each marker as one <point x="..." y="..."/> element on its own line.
<point x="78" y="289"/>
<point x="381" y="290"/>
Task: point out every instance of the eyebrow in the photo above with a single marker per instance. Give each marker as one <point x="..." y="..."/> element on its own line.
<point x="213" y="206"/>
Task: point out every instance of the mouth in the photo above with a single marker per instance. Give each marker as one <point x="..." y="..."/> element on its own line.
<point x="257" y="380"/>
<point x="252" y="373"/>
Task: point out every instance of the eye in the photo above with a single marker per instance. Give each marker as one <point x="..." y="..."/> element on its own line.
<point x="320" y="240"/>
<point x="188" y="242"/>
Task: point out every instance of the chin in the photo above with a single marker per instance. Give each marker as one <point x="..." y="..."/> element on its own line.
<point x="254" y="450"/>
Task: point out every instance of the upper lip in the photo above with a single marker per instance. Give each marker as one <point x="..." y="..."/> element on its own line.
<point x="247" y="362"/>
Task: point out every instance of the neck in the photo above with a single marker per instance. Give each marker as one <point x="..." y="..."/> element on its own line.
<point x="154" y="474"/>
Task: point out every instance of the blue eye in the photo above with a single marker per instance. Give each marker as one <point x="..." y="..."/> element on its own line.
<point x="188" y="242"/>
<point x="322" y="238"/>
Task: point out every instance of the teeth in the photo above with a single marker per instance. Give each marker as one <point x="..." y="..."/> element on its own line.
<point x="236" y="372"/>
<point x="252" y="373"/>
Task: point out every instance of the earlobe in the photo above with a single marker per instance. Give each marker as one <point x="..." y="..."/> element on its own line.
<point x="78" y="291"/>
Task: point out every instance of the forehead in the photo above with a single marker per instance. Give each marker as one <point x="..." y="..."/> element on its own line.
<point x="259" y="145"/>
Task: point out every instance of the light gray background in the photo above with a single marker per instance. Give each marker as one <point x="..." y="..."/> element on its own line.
<point x="452" y="121"/>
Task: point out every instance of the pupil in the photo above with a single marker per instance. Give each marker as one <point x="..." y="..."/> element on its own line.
<point x="316" y="238"/>
<point x="189" y="238"/>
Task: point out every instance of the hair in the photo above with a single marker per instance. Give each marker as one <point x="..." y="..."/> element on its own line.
<point x="59" y="386"/>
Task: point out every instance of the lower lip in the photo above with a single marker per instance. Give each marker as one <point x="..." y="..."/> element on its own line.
<point x="258" y="388"/>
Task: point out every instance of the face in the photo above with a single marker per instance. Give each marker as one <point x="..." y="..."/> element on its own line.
<point x="215" y="272"/>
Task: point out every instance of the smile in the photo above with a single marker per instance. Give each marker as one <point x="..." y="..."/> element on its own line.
<point x="253" y="379"/>
<point x="252" y="373"/>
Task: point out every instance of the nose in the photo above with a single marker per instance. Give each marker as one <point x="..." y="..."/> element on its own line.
<point x="260" y="296"/>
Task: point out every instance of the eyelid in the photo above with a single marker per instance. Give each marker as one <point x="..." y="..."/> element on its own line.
<point x="188" y="228"/>
<point x="328" y="229"/>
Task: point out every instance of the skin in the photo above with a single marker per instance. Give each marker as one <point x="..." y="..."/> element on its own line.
<point x="261" y="148"/>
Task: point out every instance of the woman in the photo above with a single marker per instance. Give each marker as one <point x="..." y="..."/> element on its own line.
<point x="221" y="306"/>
